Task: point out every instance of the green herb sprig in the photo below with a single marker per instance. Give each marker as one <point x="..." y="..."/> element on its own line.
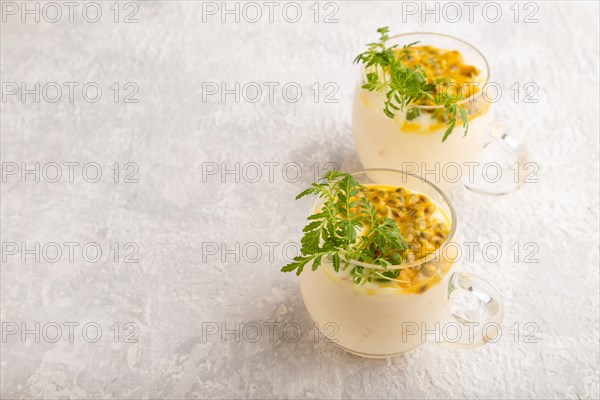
<point x="404" y="85"/>
<point x="332" y="232"/>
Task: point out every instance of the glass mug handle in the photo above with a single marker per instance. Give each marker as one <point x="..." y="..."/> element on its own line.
<point x="472" y="334"/>
<point x="508" y="155"/>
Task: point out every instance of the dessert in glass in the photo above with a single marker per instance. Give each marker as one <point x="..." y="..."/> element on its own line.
<point x="393" y="275"/>
<point x="427" y="112"/>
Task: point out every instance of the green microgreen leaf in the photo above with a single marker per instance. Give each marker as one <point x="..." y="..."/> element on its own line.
<point x="332" y="233"/>
<point x="404" y="85"/>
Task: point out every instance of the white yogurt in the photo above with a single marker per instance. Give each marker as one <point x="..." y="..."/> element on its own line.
<point x="372" y="320"/>
<point x="382" y="142"/>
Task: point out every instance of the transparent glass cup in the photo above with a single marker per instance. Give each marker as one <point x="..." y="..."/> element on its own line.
<point x="382" y="320"/>
<point x="486" y="160"/>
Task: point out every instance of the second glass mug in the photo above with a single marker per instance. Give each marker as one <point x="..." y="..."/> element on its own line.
<point x="377" y="321"/>
<point x="382" y="142"/>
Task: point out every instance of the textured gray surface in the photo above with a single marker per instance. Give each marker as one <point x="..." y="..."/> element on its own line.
<point x="172" y="212"/>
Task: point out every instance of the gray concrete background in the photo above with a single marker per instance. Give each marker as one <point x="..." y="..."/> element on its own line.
<point x="177" y="215"/>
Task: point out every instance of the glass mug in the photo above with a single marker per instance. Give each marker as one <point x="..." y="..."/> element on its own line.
<point x="487" y="160"/>
<point x="375" y="320"/>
